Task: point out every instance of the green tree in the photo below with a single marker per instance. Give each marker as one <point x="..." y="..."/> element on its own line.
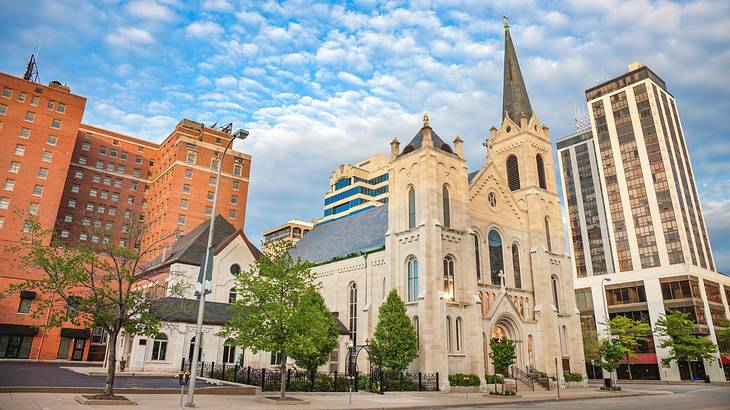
<point x="591" y="345"/>
<point x="611" y="353"/>
<point x="502" y="354"/>
<point x="723" y="336"/>
<point x="269" y="293"/>
<point x="314" y="331"/>
<point x="628" y="332"/>
<point x="675" y="328"/>
<point x="395" y="343"/>
<point x="91" y="287"/>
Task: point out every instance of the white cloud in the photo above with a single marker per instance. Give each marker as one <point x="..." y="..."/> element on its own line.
<point x="350" y="78"/>
<point x="217" y="5"/>
<point x="129" y="38"/>
<point x="149" y="9"/>
<point x="203" y="29"/>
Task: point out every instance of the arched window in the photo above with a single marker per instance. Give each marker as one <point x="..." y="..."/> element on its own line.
<point x="565" y="341"/>
<point x="556" y="299"/>
<point x="547" y="234"/>
<point x="232" y="295"/>
<point x="159" y="347"/>
<point x="496" y="261"/>
<point x="448" y="334"/>
<point x="459" y="335"/>
<point x="540" y="171"/>
<point x="353" y="313"/>
<point x="449" y="277"/>
<point x="516" y="265"/>
<point x="513" y="173"/>
<point x="229" y="351"/>
<point x="447" y="207"/>
<point x="412" y="266"/>
<point x="477" y="257"/>
<point x="191" y="350"/>
<point x="411" y="208"/>
<point x="417" y="328"/>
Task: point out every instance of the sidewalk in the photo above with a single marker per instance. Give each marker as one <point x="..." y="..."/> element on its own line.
<point x="17" y="401"/>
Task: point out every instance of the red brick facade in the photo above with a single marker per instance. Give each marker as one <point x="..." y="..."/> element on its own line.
<point x="79" y="179"/>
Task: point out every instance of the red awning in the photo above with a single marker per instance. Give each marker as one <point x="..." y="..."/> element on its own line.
<point x="642" y="358"/>
<point x="725" y="359"/>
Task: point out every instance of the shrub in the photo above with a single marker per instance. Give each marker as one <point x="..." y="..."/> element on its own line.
<point x="573" y="377"/>
<point x="494" y="379"/>
<point x="505" y="393"/>
<point x="543" y="375"/>
<point x="615" y="388"/>
<point x="461" y="379"/>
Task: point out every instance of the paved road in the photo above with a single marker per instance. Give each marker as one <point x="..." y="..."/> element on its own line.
<point x="680" y="397"/>
<point x="51" y="374"/>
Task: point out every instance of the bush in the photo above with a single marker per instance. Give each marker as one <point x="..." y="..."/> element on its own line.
<point x="499" y="393"/>
<point x="615" y="388"/>
<point x="461" y="379"/>
<point x="494" y="379"/>
<point x="573" y="377"/>
<point x="543" y="375"/>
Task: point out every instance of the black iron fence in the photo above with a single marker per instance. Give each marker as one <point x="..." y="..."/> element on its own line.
<point x="270" y="379"/>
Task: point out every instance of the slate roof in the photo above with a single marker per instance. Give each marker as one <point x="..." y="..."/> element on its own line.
<point x="216" y="313"/>
<point x="417" y="141"/>
<point x="514" y="93"/>
<point x="350" y="235"/>
<point x="190" y="248"/>
<point x="472" y="175"/>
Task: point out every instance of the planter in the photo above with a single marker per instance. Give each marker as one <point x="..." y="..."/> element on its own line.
<point x="93" y="400"/>
<point x="576" y="385"/>
<point x="277" y="401"/>
<point x="464" y="389"/>
<point x="499" y="396"/>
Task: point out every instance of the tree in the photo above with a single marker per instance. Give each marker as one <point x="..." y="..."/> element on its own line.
<point x="675" y="328"/>
<point x="611" y="353"/>
<point x="591" y="345"/>
<point x="628" y="333"/>
<point x="314" y="331"/>
<point x="502" y="354"/>
<point x="395" y="343"/>
<point x="90" y="287"/>
<point x="269" y="293"/>
<point x="723" y="336"/>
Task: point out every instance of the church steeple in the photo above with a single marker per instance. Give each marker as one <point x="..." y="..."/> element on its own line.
<point x="514" y="94"/>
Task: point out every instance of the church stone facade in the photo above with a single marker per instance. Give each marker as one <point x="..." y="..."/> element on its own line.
<point x="474" y="255"/>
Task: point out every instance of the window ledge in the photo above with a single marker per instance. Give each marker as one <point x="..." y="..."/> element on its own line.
<point x="457" y="354"/>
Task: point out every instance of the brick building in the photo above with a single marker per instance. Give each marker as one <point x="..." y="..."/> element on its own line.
<point x="87" y="183"/>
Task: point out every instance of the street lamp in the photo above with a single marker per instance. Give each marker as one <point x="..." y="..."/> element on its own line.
<point x="206" y="270"/>
<point x="605" y="311"/>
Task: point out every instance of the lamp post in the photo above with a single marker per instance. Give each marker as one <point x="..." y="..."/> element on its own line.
<point x="605" y="311"/>
<point x="206" y="270"/>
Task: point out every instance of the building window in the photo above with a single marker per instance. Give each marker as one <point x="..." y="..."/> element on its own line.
<point x="232" y="294"/>
<point x="42" y="173"/>
<point x="516" y="265"/>
<point x="496" y="261"/>
<point x="353" y="313"/>
<point x="189" y="173"/>
<point x="556" y="299"/>
<point x="51" y="105"/>
<point x="211" y="180"/>
<point x="477" y="256"/>
<point x="209" y="196"/>
<point x="190" y="158"/>
<point x="14" y="167"/>
<point x="61" y="108"/>
<point x="9" y="184"/>
<point x="235" y="269"/>
<point x="186" y="188"/>
<point x="449" y="338"/>
<point x="83" y="236"/>
<point x="78" y="174"/>
<point x="232" y="214"/>
<point x="184" y="203"/>
<point x="19" y="149"/>
<point x="513" y="173"/>
<point x="237" y="170"/>
<point x="208" y="210"/>
<point x="82" y="159"/>
<point x="15" y="346"/>
<point x="85" y="146"/>
<point x="159" y="347"/>
<point x="540" y="171"/>
<point x="21" y="97"/>
<point x="52" y="140"/>
<point x="38" y="190"/>
<point x="92" y="192"/>
<point x="34" y="100"/>
<point x="65" y="233"/>
<point x="412" y="267"/>
<point x="234" y="199"/>
<point x="275" y="359"/>
<point x="7" y="92"/>
<point x="33" y="208"/>
<point x="446" y="206"/>
<point x="3" y="109"/>
<point x="56" y="124"/>
<point x="459" y="335"/>
<point x="26" y="299"/>
<point x="47" y="156"/>
<point x="417" y="328"/>
<point x="547" y="235"/>
<point x="68" y="218"/>
<point x="181" y="219"/>
<point x="24" y="133"/>
<point x="29" y="116"/>
<point x="449" y="277"/>
<point x="214" y="164"/>
<point x="72" y="203"/>
<point x="229" y="351"/>
<point x="236" y="185"/>
<point x="411" y="208"/>
<point x="4" y="202"/>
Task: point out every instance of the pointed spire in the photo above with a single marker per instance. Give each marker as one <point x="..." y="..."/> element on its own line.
<point x="515" y="101"/>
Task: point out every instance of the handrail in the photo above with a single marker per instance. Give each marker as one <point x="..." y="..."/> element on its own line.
<point x="518" y="374"/>
<point x="534" y="374"/>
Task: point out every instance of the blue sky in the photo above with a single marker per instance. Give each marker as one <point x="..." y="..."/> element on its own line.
<point x="319" y="84"/>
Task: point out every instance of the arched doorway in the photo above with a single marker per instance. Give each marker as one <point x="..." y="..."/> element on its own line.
<point x="508" y="327"/>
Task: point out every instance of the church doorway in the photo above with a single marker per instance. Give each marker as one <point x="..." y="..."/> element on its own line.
<point x="506" y="326"/>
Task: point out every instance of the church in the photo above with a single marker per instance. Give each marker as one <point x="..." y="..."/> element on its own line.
<point x="474" y="255"/>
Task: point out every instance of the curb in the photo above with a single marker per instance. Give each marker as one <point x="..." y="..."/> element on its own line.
<point x="224" y="391"/>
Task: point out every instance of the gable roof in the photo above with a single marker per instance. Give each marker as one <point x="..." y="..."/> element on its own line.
<point x="190" y="248"/>
<point x="471" y="175"/>
<point x="216" y="313"/>
<point x="417" y="141"/>
<point x="350" y="235"/>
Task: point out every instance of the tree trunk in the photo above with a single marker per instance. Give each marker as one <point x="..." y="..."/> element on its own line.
<point x="111" y="365"/>
<point x="689" y="366"/>
<point x="282" y="392"/>
<point x="628" y="366"/>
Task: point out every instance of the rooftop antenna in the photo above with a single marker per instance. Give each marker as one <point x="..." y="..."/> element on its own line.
<point x="582" y="121"/>
<point x="31" y="71"/>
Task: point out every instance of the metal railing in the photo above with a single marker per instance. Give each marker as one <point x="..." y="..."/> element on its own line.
<point x="522" y="376"/>
<point x="539" y="377"/>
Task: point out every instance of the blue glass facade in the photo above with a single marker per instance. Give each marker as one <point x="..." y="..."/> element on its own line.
<point x="344" y="182"/>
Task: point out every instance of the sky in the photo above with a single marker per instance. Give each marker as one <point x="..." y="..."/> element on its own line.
<point x="319" y="84"/>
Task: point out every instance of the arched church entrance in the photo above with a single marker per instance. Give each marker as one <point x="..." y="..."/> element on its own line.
<point x="509" y="327"/>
